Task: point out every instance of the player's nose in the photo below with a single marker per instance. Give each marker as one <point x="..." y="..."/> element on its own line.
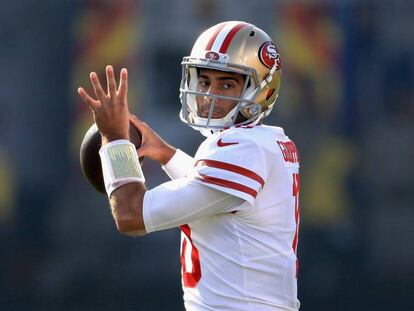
<point x="207" y="98"/>
<point x="214" y="88"/>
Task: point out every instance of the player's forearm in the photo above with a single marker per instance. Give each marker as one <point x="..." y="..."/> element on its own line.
<point x="167" y="153"/>
<point x="126" y="205"/>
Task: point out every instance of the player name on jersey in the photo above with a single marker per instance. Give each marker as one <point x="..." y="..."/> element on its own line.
<point x="289" y="151"/>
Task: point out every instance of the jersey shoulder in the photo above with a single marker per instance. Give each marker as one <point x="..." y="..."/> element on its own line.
<point x="266" y="136"/>
<point x="282" y="145"/>
<point x="244" y="140"/>
<point x="232" y="162"/>
<point x="273" y="142"/>
<point x="228" y="144"/>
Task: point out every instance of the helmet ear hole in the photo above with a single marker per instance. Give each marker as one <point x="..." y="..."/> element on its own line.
<point x="270" y="93"/>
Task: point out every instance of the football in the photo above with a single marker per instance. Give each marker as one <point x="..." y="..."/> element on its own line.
<point x="90" y="161"/>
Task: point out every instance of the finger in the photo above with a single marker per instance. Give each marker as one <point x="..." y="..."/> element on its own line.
<point x="141" y="126"/>
<point x="142" y="151"/>
<point x="110" y="78"/>
<point x="99" y="92"/>
<point x="93" y="104"/>
<point x="123" y="84"/>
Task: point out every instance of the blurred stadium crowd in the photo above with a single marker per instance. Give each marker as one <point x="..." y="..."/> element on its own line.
<point x="347" y="98"/>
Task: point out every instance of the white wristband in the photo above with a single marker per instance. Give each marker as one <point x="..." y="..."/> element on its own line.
<point x="120" y="164"/>
<point x="179" y="165"/>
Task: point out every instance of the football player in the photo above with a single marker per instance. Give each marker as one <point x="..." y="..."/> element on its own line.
<point x="235" y="201"/>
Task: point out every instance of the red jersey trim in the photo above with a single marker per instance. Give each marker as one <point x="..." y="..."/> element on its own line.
<point x="232" y="168"/>
<point x="226" y="184"/>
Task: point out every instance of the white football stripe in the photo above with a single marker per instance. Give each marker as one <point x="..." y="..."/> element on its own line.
<point x="222" y="35"/>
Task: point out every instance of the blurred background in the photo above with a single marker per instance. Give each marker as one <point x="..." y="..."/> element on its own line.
<point x="347" y="99"/>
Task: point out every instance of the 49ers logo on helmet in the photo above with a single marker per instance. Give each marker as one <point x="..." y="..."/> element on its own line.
<point x="212" y="55"/>
<point x="269" y="55"/>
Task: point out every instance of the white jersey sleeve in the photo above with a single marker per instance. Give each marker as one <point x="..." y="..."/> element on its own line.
<point x="179" y="165"/>
<point x="231" y="162"/>
<point x="182" y="201"/>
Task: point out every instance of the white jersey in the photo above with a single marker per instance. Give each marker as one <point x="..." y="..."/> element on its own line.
<point x="243" y="257"/>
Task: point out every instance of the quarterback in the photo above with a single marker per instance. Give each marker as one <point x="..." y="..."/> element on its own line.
<point x="236" y="201"/>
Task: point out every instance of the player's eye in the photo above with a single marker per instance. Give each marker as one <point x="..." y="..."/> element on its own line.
<point x="203" y="83"/>
<point x="228" y="85"/>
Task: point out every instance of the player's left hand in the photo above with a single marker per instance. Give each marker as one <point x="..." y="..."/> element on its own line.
<point x="152" y="145"/>
<point x="110" y="109"/>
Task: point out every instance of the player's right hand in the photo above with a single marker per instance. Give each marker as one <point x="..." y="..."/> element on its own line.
<point x="109" y="108"/>
<point x="152" y="145"/>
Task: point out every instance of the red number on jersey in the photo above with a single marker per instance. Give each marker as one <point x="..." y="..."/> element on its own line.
<point x="190" y="259"/>
<point x="295" y="193"/>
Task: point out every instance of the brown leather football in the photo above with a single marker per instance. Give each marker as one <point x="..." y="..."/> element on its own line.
<point x="89" y="155"/>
